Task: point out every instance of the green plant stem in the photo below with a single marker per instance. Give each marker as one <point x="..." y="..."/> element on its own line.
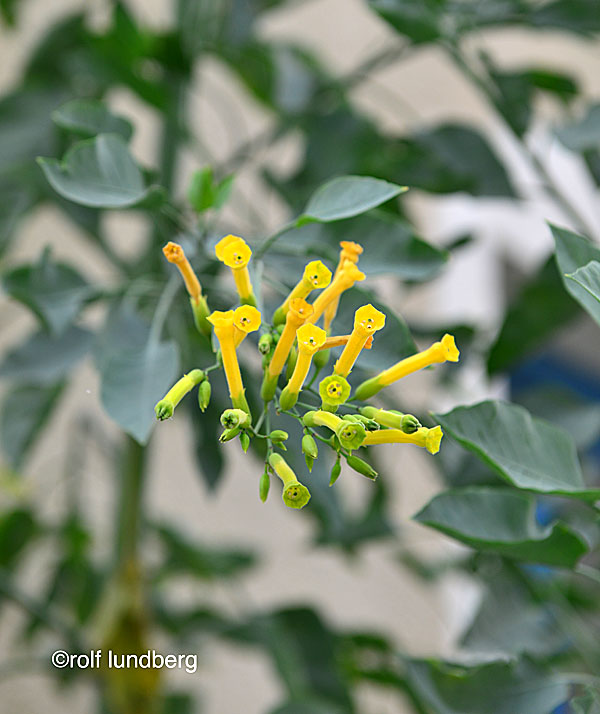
<point x="130" y="503"/>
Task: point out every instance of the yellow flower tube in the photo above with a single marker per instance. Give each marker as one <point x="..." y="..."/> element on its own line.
<point x="164" y="409"/>
<point x="310" y="338"/>
<point x="297" y="315"/>
<point x="426" y="438"/>
<point x="367" y="321"/>
<point x="351" y="434"/>
<point x="315" y="277"/>
<point x="295" y="494"/>
<point x="443" y="351"/>
<point x="342" y="341"/>
<point x="236" y="254"/>
<point x="246" y="319"/>
<point x="224" y="328"/>
<point x="348" y="275"/>
<point x="175" y="254"/>
<point x="350" y="251"/>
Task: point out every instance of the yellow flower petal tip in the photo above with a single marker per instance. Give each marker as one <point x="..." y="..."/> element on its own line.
<point x="235" y="253"/>
<point x="352" y="272"/>
<point x="350" y="248"/>
<point x="368" y="319"/>
<point x="219" y="318"/>
<point x="300" y="310"/>
<point x="317" y="274"/>
<point x="247" y="318"/>
<point x="310" y="338"/>
<point x="433" y="439"/>
<point x="451" y="351"/>
<point x="173" y="252"/>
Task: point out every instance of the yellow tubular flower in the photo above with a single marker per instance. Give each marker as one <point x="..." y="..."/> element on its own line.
<point x="443" y="351"/>
<point x="310" y="339"/>
<point x="236" y="254"/>
<point x="246" y="319"/>
<point x="174" y="253"/>
<point x="225" y="334"/>
<point x="316" y="276"/>
<point x="367" y="320"/>
<point x="426" y="438"/>
<point x="164" y="409"/>
<point x="348" y="275"/>
<point x="342" y="341"/>
<point x="350" y="251"/>
<point x="297" y="315"/>
<point x="295" y="494"/>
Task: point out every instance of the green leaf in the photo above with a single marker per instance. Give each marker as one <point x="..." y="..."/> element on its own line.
<point x="200" y="561"/>
<point x="100" y="173"/>
<point x="498" y="687"/>
<point x="589" y="703"/>
<point x="574" y="251"/>
<point x="391" y="344"/>
<point x="55" y="292"/>
<point x="200" y="191"/>
<point x="532" y="318"/>
<point x="25" y="411"/>
<point x="510" y="623"/>
<point x="17" y="529"/>
<point x="136" y="371"/>
<point x="89" y="117"/>
<point x="584" y="133"/>
<point x="44" y="358"/>
<point x="579" y="16"/>
<point x="530" y="453"/>
<point x="503" y="522"/>
<point x="589" y="278"/>
<point x="8" y="10"/>
<point x="348" y="196"/>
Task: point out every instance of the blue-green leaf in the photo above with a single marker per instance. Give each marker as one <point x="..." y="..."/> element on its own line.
<point x="589" y="278"/>
<point x="530" y="453"/>
<point x="572" y="252"/>
<point x="89" y="117"/>
<point x="501" y="521"/>
<point x="100" y="173"/>
<point x="348" y="196"/>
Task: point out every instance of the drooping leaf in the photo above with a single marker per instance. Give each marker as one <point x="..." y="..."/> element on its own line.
<point x="532" y="318"/>
<point x="348" y="196"/>
<point x="182" y="556"/>
<point x="530" y="453"/>
<point x="55" y="292"/>
<point x="499" y="687"/>
<point x="89" y="117"/>
<point x="25" y="411"/>
<point x="391" y="344"/>
<point x="588" y="277"/>
<point x="44" y="359"/>
<point x="136" y="371"/>
<point x="572" y="252"/>
<point x="100" y="173"/>
<point x="501" y="521"/>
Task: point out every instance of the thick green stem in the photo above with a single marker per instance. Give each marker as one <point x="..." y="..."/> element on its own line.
<point x="130" y="504"/>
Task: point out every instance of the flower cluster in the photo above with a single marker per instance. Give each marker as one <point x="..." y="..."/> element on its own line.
<point x="290" y="346"/>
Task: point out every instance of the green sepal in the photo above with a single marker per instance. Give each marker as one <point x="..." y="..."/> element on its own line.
<point x="200" y="311"/>
<point x="287" y="399"/>
<point x="245" y="441"/>
<point x="309" y="462"/>
<point x="291" y="362"/>
<point x="250" y="300"/>
<point x="410" y="424"/>
<point x="321" y="359"/>
<point x="279" y="316"/>
<point x="367" y="389"/>
<point x="269" y="386"/>
<point x="240" y="402"/>
<point x="335" y="472"/>
<point x="229" y="434"/>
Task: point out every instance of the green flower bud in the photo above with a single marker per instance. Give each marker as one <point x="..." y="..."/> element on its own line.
<point x="204" y="391"/>
<point x="361" y="466"/>
<point x="164" y="409"/>
<point x="279" y="316"/>
<point x="351" y="434"/>
<point x="265" y="343"/>
<point x="410" y="424"/>
<point x="309" y="446"/>
<point x="291" y="363"/>
<point x="229" y="434"/>
<point x="200" y="311"/>
<point x="287" y="399"/>
<point x="264" y="485"/>
<point x="279" y="435"/>
<point x="321" y="359"/>
<point x="232" y="418"/>
<point x="335" y="472"/>
<point x="245" y="441"/>
<point x="279" y="329"/>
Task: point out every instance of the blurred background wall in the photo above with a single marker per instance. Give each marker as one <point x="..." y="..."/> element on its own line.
<point x="364" y="591"/>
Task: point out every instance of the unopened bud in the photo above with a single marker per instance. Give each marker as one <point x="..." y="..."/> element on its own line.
<point x="164" y="409"/>
<point x="335" y="472"/>
<point x="279" y="435"/>
<point x="309" y="446"/>
<point x="245" y="441"/>
<point x="361" y="466"/>
<point x="265" y="343"/>
<point x="204" y="391"/>
<point x="263" y="485"/>
<point x="229" y="434"/>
